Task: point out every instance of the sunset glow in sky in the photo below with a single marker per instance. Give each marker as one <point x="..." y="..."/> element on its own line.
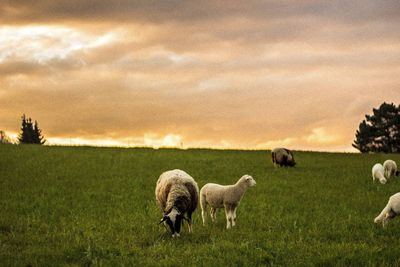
<point x="223" y="74"/>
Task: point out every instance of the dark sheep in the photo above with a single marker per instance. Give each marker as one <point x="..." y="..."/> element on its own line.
<point x="283" y="157"/>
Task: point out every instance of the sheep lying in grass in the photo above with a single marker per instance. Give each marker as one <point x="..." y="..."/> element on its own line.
<point x="224" y="196"/>
<point x="177" y="193"/>
<point x="391" y="210"/>
<point x="378" y="173"/>
<point x="390" y="168"/>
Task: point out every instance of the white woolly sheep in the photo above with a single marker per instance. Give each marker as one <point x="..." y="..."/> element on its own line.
<point x="224" y="196"/>
<point x="378" y="173"/>
<point x="390" y="168"/>
<point x="282" y="157"/>
<point x="177" y="193"/>
<point x="391" y="210"/>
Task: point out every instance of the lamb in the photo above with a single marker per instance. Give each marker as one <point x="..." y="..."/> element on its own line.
<point x="224" y="196"/>
<point x="390" y="168"/>
<point x="391" y="210"/>
<point x="378" y="173"/>
<point x="176" y="193"/>
<point x="282" y="157"/>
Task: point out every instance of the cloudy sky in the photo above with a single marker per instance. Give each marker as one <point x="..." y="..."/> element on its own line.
<point x="223" y="74"/>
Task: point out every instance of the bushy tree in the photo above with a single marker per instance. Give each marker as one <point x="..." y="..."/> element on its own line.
<point x="380" y="132"/>
<point x="30" y="132"/>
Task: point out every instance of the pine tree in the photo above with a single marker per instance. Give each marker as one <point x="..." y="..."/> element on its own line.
<point x="38" y="138"/>
<point x="30" y="133"/>
<point x="380" y="132"/>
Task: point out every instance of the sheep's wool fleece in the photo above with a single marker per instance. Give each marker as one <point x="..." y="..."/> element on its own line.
<point x="282" y="156"/>
<point x="394" y="202"/>
<point x="173" y="185"/>
<point x="390" y="167"/>
<point x="217" y="195"/>
<point x="377" y="170"/>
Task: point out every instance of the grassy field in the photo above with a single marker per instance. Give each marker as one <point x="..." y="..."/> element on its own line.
<point x="82" y="206"/>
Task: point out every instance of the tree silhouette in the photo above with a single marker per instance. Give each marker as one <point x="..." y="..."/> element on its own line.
<point x="30" y="132"/>
<point x="380" y="132"/>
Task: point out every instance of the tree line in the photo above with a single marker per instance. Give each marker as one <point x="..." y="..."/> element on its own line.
<point x="378" y="132"/>
<point x="30" y="133"/>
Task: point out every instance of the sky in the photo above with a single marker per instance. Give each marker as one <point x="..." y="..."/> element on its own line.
<point x="221" y="74"/>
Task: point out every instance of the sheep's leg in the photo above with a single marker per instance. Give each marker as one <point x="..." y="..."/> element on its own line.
<point x="234" y="217"/>
<point x="213" y="214"/>
<point x="190" y="222"/>
<point x="203" y="215"/>
<point x="203" y="206"/>
<point x="228" y="216"/>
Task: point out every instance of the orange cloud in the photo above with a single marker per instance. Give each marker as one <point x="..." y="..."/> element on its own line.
<point x="253" y="75"/>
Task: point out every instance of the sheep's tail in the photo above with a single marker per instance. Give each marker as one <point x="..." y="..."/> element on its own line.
<point x="382" y="216"/>
<point x="203" y="205"/>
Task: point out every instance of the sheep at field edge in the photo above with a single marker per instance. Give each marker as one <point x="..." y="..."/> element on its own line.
<point x="177" y="193"/>
<point x="390" y="168"/>
<point x="224" y="196"/>
<point x="391" y="210"/>
<point x="282" y="157"/>
<point x="378" y="173"/>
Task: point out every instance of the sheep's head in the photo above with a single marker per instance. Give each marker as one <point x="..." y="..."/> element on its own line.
<point x="290" y="160"/>
<point x="249" y="180"/>
<point x="291" y="163"/>
<point x="173" y="220"/>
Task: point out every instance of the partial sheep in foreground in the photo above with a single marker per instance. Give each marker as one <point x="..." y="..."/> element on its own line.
<point x="391" y="210"/>
<point x="378" y="173"/>
<point x="282" y="157"/>
<point x="177" y="193"/>
<point x="224" y="196"/>
<point x="390" y="168"/>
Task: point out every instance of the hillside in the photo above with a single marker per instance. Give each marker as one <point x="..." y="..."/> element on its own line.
<point x="68" y="206"/>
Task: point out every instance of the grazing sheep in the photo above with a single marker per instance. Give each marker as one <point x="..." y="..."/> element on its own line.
<point x="391" y="210"/>
<point x="377" y="173"/>
<point x="283" y="157"/>
<point x="224" y="196"/>
<point x="177" y="193"/>
<point x="390" y="168"/>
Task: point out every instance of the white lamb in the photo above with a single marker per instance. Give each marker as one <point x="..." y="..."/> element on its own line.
<point x="390" y="168"/>
<point x="224" y="196"/>
<point x="391" y="210"/>
<point x="378" y="173"/>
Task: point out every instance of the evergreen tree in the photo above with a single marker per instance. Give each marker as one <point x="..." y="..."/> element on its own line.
<point x="38" y="138"/>
<point x="380" y="132"/>
<point x="30" y="133"/>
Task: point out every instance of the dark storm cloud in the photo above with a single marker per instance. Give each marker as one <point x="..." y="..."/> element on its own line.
<point x="359" y="11"/>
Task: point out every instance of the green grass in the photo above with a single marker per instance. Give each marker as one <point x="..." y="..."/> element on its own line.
<point x="82" y="206"/>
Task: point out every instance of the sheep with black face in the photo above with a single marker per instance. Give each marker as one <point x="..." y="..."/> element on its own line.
<point x="177" y="194"/>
